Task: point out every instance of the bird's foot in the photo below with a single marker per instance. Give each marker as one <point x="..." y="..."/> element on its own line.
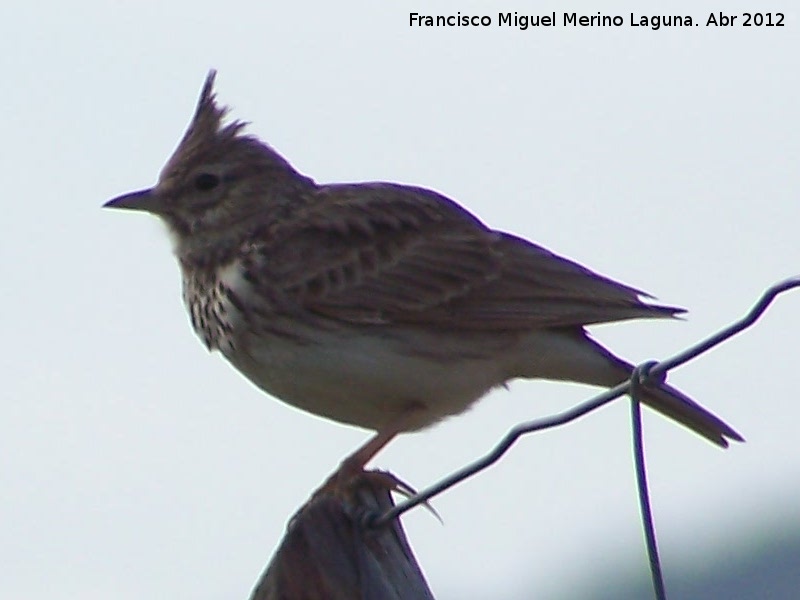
<point x="345" y="483"/>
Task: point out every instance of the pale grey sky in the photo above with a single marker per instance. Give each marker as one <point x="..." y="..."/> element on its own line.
<point x="135" y="465"/>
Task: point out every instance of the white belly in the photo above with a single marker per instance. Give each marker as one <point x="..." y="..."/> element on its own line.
<point x="365" y="380"/>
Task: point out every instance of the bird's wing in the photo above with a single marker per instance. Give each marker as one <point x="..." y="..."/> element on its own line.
<point x="385" y="253"/>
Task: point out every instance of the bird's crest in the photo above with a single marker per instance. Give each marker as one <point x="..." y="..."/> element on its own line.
<point x="206" y="129"/>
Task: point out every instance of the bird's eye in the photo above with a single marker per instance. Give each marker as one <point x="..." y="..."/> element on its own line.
<point x="206" y="182"/>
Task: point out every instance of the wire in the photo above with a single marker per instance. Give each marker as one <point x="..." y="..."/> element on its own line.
<point x="641" y="377"/>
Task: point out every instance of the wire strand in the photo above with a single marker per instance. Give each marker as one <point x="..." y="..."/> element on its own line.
<point x="641" y="377"/>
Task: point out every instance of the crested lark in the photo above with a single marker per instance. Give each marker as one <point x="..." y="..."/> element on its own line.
<point x="381" y="305"/>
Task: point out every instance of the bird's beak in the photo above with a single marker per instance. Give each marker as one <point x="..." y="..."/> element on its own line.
<point x="146" y="200"/>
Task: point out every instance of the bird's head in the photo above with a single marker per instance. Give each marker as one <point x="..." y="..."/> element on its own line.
<point x="218" y="179"/>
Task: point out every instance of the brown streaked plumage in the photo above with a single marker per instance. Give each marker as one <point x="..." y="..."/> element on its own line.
<point x="385" y="306"/>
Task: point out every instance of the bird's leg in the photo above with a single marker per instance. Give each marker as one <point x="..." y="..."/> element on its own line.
<point x="352" y="467"/>
<point x="355" y="462"/>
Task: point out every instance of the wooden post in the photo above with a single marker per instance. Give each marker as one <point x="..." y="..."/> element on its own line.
<point x="328" y="554"/>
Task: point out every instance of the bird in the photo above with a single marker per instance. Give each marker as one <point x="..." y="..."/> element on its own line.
<point x="385" y="306"/>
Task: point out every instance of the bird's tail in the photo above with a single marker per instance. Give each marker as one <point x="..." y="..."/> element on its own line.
<point x="678" y="406"/>
<point x="669" y="401"/>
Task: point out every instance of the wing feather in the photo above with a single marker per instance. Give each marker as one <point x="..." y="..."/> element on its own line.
<point x="387" y="253"/>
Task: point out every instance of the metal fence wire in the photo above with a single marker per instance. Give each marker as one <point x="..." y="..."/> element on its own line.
<point x="651" y="373"/>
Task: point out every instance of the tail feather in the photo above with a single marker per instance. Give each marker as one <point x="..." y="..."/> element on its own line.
<point x="672" y="403"/>
<point x="669" y="401"/>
